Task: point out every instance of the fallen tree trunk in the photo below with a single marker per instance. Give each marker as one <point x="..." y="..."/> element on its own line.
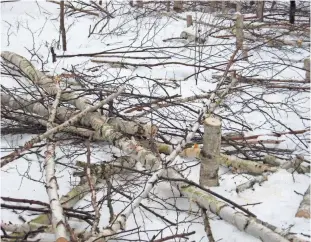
<point x="98" y="123"/>
<point x="80" y="103"/>
<point x="250" y="225"/>
<point x="304" y="208"/>
<point x="28" y="145"/>
<point x="207" y="109"/>
<point x="57" y="214"/>
<point x="68" y="201"/>
<point x="63" y="114"/>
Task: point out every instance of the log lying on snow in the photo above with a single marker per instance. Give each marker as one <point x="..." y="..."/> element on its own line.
<point x="250" y="225"/>
<point x="68" y="201"/>
<point x="191" y="35"/>
<point x="120" y="221"/>
<point x="80" y="103"/>
<point x="98" y="171"/>
<point x="304" y="208"/>
<point x="29" y="144"/>
<point x="38" y="120"/>
<point x="245" y="165"/>
<point x="21" y="229"/>
<point x="57" y="214"/>
<point x="104" y="170"/>
<point x="98" y="123"/>
<point x="226" y="160"/>
<point x="63" y="114"/>
<point x="251" y="183"/>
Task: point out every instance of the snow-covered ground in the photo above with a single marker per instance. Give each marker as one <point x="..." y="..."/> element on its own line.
<point x="29" y="27"/>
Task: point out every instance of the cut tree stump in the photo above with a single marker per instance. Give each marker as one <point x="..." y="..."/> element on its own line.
<point x="189" y="21"/>
<point x="306" y="65"/>
<point x="239" y="31"/>
<point x="210" y="152"/>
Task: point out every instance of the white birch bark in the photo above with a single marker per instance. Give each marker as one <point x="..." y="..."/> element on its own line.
<point x="103" y="130"/>
<point x="63" y="114"/>
<point x="239" y="30"/>
<point x="304" y="207"/>
<point x="243" y="222"/>
<point x="21" y="117"/>
<point x="68" y="201"/>
<point x="260" y="10"/>
<point x="38" y="78"/>
<point x="120" y="221"/>
<point x="245" y="165"/>
<point x="25" y="228"/>
<point x="30" y="106"/>
<point x="306" y="65"/>
<point x="58" y="219"/>
<point x="251" y="183"/>
<point x="104" y="170"/>
<point x="210" y="106"/>
<point x="250" y="225"/>
<point x="211" y="151"/>
<point x="7" y="159"/>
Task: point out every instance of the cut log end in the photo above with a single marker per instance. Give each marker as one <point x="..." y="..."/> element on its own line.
<point x="61" y="239"/>
<point x="212" y="122"/>
<point x="305" y="213"/>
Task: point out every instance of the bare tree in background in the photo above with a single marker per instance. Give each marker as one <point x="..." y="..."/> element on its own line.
<point x="62" y="25"/>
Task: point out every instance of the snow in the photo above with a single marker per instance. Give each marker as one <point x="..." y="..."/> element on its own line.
<point x="28" y="28"/>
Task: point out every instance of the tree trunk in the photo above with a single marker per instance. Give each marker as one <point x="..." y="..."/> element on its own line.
<point x="272" y="5"/>
<point x="140" y="4"/>
<point x="211" y="151"/>
<point x="304" y="208"/>
<point x="189" y="21"/>
<point x="238" y="7"/>
<point x="168" y="6"/>
<point x="245" y="53"/>
<point x="292" y="10"/>
<point x="223" y="7"/>
<point x="260" y="10"/>
<point x="306" y="65"/>
<point x="178" y="6"/>
<point x="259" y="229"/>
<point x="62" y="25"/>
<point x="239" y="31"/>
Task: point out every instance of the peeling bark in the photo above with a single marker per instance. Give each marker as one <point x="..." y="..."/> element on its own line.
<point x="28" y="145"/>
<point x="80" y="103"/>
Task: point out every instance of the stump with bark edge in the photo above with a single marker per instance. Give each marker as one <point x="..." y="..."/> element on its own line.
<point x="210" y="152"/>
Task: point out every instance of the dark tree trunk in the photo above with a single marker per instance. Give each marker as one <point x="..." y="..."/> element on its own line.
<point x="292" y="11"/>
<point x="62" y="25"/>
